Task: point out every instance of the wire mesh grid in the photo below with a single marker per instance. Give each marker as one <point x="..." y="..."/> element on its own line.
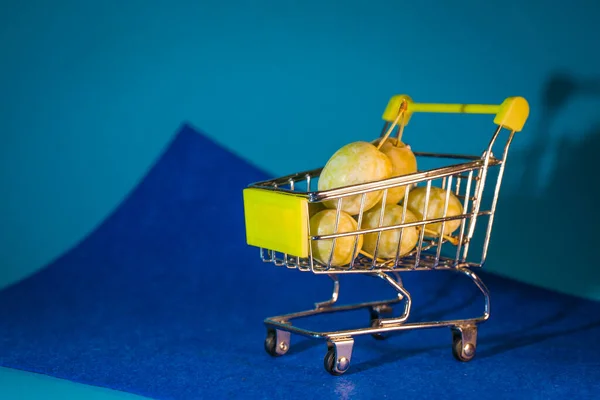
<point x="465" y="182"/>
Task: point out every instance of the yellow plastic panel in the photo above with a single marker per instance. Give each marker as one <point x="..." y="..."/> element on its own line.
<point x="393" y="108"/>
<point x="513" y="113"/>
<point x="276" y="221"/>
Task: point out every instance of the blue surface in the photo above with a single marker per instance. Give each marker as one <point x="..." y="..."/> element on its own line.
<point x="165" y="300"/>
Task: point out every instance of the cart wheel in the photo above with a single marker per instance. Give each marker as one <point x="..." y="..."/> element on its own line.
<point x="464" y="342"/>
<point x="329" y="363"/>
<point x="338" y="356"/>
<point x="374" y="324"/>
<point x="277" y="342"/>
<point x="376" y="314"/>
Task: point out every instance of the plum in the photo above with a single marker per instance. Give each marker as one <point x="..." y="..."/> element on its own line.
<point x="435" y="208"/>
<point x="404" y="162"/>
<point x="355" y="163"/>
<point x="388" y="242"/>
<point x="323" y="223"/>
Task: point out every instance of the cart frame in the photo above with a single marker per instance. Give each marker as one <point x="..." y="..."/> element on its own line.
<point x="277" y="214"/>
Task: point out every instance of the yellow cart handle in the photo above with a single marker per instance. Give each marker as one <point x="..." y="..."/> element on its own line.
<point x="511" y="114"/>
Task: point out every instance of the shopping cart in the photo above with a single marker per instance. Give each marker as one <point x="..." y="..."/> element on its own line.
<point x="278" y="214"/>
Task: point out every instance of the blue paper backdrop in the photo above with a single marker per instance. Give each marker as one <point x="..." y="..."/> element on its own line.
<point x="285" y="83"/>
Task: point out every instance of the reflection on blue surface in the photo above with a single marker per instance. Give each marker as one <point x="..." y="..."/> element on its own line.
<point x="345" y="388"/>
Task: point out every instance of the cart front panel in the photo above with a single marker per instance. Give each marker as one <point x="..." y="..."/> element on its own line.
<point x="276" y="221"/>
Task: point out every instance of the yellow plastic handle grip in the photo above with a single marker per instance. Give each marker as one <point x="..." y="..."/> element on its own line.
<point x="511" y="114"/>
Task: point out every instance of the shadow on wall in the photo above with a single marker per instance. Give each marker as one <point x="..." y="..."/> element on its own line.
<point x="549" y="235"/>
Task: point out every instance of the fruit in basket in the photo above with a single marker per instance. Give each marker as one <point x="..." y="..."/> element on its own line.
<point x="403" y="161"/>
<point x="323" y="223"/>
<point x="435" y="208"/>
<point x="388" y="241"/>
<point x="355" y="163"/>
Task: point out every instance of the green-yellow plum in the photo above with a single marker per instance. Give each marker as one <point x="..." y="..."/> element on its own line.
<point x="355" y="163"/>
<point x="323" y="223"/>
<point x="404" y="162"/>
<point x="388" y="242"/>
<point x="435" y="208"/>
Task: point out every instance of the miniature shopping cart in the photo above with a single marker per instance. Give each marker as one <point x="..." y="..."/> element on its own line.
<point x="278" y="212"/>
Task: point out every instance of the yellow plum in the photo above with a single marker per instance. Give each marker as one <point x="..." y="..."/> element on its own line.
<point x="388" y="242"/>
<point x="404" y="162"/>
<point x="435" y="208"/>
<point x="323" y="223"/>
<point x="355" y="163"/>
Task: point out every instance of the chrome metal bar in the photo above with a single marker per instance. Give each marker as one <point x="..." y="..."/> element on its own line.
<point x="484" y="290"/>
<point x="407" y="267"/>
<point x="481" y="183"/>
<point x="402" y="294"/>
<point x="359" y="224"/>
<point x="396" y="226"/>
<point x="381" y="216"/>
<point x="424" y="213"/>
<point x="313" y="173"/>
<point x="387" y="325"/>
<point x="335" y="230"/>
<point x="463" y="222"/>
<point x="472" y="217"/>
<point x="310" y="243"/>
<point x="402" y="180"/>
<point x="334" y="295"/>
<point x="403" y="220"/>
<point x="370" y="331"/>
<point x="495" y="198"/>
<point x="444" y="215"/>
<point x="449" y="156"/>
<point x="386" y="125"/>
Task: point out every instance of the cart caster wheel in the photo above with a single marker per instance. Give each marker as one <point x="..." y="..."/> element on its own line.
<point x="464" y="342"/>
<point x="376" y="314"/>
<point x="329" y="363"/>
<point x="375" y="324"/>
<point x="338" y="356"/>
<point x="277" y="342"/>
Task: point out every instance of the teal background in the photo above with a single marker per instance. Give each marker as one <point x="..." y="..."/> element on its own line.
<point x="286" y="83"/>
<point x="259" y="77"/>
<point x="20" y="385"/>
